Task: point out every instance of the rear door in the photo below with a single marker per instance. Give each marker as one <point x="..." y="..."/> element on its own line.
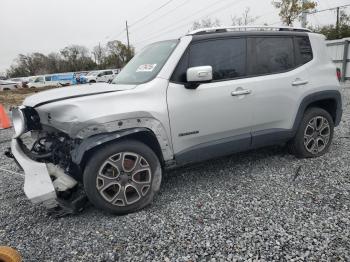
<point x="211" y="120"/>
<point x="277" y="81"/>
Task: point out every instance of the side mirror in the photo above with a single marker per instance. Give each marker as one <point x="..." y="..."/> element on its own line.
<point x="197" y="75"/>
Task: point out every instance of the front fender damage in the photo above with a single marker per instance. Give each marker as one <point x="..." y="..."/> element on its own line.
<point x="116" y="129"/>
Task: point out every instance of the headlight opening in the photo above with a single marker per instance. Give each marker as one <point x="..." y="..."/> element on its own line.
<point x="19" y="121"/>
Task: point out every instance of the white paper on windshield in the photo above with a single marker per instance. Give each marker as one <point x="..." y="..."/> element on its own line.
<point x="146" y="68"/>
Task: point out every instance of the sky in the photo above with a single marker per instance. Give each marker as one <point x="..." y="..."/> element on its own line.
<point x="49" y="25"/>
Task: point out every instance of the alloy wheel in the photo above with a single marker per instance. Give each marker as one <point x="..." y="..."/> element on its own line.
<point x="317" y="135"/>
<point x="124" y="178"/>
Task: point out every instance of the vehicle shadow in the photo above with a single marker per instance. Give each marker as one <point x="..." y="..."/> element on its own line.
<point x="214" y="171"/>
<point x="249" y="158"/>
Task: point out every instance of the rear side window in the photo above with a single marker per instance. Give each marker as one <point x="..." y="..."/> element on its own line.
<point x="303" y="50"/>
<point x="47" y="78"/>
<point x="269" y="55"/>
<point x="226" y="56"/>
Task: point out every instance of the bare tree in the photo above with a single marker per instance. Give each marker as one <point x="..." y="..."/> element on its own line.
<point x="244" y="19"/>
<point x="77" y="58"/>
<point x="99" y="54"/>
<point x="205" y="23"/>
<point x="118" y="54"/>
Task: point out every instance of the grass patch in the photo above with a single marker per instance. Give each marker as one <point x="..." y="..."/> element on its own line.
<point x="15" y="97"/>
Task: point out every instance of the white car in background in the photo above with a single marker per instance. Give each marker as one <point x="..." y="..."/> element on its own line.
<point x="42" y="81"/>
<point x="100" y="76"/>
<point x="7" y="85"/>
<point x="19" y="81"/>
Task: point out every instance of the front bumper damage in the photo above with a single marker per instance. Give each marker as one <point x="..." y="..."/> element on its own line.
<point x="38" y="186"/>
<point x="43" y="182"/>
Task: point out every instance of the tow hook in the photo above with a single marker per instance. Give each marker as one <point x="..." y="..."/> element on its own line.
<point x="8" y="153"/>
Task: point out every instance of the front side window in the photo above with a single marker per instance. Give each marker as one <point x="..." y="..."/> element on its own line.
<point x="147" y="64"/>
<point x="39" y="79"/>
<point x="108" y="73"/>
<point x="47" y="78"/>
<point x="226" y="56"/>
<point x="269" y="55"/>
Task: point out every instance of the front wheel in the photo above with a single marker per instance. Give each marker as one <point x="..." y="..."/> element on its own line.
<point x="122" y="177"/>
<point x="314" y="135"/>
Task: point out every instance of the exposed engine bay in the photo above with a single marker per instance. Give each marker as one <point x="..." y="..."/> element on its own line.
<point x="51" y="148"/>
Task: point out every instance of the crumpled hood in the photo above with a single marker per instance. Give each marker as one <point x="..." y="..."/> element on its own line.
<point x="71" y="92"/>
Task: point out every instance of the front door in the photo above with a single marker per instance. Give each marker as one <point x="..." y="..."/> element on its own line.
<point x="216" y="118"/>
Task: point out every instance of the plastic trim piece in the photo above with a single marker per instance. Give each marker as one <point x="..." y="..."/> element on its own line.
<point x="38" y="186"/>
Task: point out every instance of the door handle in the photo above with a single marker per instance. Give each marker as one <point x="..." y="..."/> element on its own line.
<point x="299" y="82"/>
<point x="241" y="92"/>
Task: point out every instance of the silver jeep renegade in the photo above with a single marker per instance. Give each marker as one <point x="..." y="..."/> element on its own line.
<point x="213" y="92"/>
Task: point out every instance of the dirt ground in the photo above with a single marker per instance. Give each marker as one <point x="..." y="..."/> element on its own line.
<point x="15" y="97"/>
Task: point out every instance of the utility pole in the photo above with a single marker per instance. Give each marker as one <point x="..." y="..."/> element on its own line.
<point x="337" y="24"/>
<point x="127" y="34"/>
<point x="303" y="15"/>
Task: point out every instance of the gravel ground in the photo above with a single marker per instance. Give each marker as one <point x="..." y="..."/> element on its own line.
<point x="249" y="206"/>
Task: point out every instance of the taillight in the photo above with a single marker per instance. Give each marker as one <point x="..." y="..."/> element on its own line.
<point x="339" y="74"/>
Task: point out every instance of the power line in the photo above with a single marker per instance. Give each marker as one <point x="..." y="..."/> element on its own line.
<point x="170" y="11"/>
<point x="319" y="11"/>
<point x="141" y="19"/>
<point x="328" y="9"/>
<point x="185" y="18"/>
<point x="151" y="13"/>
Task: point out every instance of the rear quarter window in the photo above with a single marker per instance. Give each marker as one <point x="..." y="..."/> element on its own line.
<point x="303" y="52"/>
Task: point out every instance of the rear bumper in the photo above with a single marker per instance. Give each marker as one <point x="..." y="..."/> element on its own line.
<point x="38" y="186"/>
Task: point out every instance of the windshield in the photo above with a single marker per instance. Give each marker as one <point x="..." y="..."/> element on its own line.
<point x="146" y="64"/>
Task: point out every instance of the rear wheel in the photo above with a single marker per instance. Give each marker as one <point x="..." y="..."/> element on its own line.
<point x="122" y="177"/>
<point x="314" y="135"/>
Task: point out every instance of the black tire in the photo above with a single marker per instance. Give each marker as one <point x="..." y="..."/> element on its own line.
<point x="92" y="81"/>
<point x="297" y="145"/>
<point x="97" y="163"/>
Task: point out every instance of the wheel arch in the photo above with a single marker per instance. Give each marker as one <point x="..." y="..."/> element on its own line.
<point x="329" y="100"/>
<point x="82" y="153"/>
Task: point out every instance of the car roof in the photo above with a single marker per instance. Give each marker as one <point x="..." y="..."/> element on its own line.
<point x="236" y="31"/>
<point x="214" y="35"/>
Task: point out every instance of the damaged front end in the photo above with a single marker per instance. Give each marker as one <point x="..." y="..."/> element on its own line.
<point x="44" y="154"/>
